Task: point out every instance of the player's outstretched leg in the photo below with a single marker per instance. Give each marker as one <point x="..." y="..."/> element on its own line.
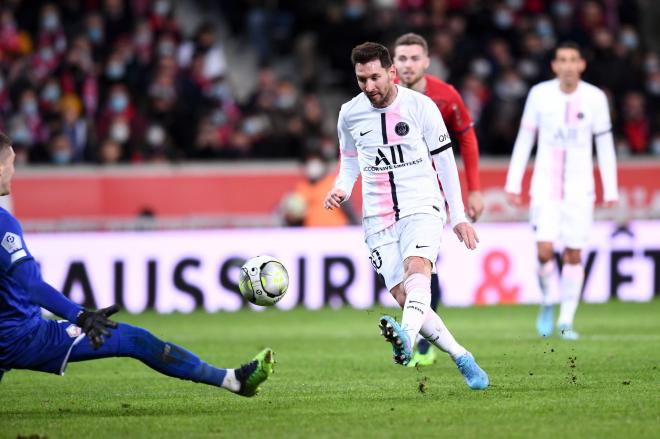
<point x="252" y="374"/>
<point x="474" y="376"/>
<point x="545" y="320"/>
<point x="175" y="361"/>
<point x="398" y="338"/>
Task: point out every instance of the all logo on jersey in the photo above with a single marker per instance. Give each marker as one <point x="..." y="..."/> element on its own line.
<point x="12" y="242"/>
<point x="392" y="160"/>
<point x="401" y="129"/>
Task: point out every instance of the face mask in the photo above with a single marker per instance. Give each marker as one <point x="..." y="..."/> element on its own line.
<point x="651" y="64"/>
<point x="29" y="107"/>
<point x="161" y="7"/>
<point x="115" y="70"/>
<point x="515" y="4"/>
<point x="314" y="169"/>
<point x="286" y="101"/>
<point x="221" y="91"/>
<point x="563" y="9"/>
<point x="46" y="54"/>
<point x="143" y="38"/>
<point x="51" y="93"/>
<point x="503" y="19"/>
<point x="481" y="68"/>
<point x="544" y="28"/>
<point x="629" y="39"/>
<point x="156" y="135"/>
<point x="218" y="118"/>
<point x="653" y="87"/>
<point x="120" y="132"/>
<point x="95" y="34"/>
<point x="61" y="157"/>
<point x="50" y="22"/>
<point x="655" y="146"/>
<point x="354" y="11"/>
<point x="166" y="48"/>
<point x="21" y="136"/>
<point x="118" y="102"/>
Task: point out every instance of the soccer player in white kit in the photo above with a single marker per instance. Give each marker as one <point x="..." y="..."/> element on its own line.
<point x="394" y="137"/>
<point x="568" y="114"/>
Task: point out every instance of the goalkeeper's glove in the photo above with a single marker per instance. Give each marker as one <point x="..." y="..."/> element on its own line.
<point x="95" y="324"/>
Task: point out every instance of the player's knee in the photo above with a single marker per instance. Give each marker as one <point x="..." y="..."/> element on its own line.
<point x="416" y="264"/>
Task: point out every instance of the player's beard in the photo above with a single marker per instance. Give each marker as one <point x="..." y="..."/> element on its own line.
<point x="379" y="99"/>
<point x="412" y="81"/>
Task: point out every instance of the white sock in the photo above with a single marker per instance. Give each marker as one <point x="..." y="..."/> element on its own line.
<point x="418" y="303"/>
<point x="545" y="273"/>
<point x="572" y="276"/>
<point x="230" y="382"/>
<point x="435" y="331"/>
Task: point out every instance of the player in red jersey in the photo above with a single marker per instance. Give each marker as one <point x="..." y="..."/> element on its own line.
<point x="411" y="59"/>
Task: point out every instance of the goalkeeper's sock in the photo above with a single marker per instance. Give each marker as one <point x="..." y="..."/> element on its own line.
<point x="435" y="331"/>
<point x="572" y="276"/>
<point x="418" y="300"/>
<point x="545" y="272"/>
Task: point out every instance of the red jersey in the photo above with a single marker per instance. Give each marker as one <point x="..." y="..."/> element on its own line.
<point x="459" y="124"/>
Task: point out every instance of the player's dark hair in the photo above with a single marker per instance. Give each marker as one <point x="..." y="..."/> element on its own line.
<point x="367" y="52"/>
<point x="5" y="141"/>
<point x="411" y="39"/>
<point x="569" y="45"/>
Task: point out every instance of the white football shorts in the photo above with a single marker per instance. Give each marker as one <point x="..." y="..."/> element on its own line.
<point x="567" y="222"/>
<point x="413" y="235"/>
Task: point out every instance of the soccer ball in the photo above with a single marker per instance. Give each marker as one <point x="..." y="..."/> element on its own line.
<point x="263" y="280"/>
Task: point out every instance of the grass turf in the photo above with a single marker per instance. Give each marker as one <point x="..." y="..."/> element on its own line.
<point x="335" y="378"/>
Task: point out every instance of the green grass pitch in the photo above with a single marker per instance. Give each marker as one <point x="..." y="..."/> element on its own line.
<point x="335" y="378"/>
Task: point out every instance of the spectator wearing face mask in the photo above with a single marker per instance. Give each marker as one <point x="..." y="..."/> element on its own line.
<point x="306" y="202"/>
<point x="121" y="120"/>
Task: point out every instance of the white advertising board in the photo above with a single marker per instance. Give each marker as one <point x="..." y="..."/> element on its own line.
<point x="183" y="270"/>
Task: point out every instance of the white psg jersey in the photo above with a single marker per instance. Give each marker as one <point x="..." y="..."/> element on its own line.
<point x="394" y="148"/>
<point x="567" y="125"/>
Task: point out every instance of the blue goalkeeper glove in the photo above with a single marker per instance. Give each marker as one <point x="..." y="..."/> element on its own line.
<point x="96" y="325"/>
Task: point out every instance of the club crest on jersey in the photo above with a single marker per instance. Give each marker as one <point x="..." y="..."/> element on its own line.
<point x="401" y="129"/>
<point x="12" y="242"/>
<point x="73" y="331"/>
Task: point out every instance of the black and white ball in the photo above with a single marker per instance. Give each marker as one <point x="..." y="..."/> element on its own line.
<point x="263" y="280"/>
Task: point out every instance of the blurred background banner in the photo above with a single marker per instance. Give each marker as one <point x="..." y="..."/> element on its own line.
<point x="247" y="194"/>
<point x="180" y="271"/>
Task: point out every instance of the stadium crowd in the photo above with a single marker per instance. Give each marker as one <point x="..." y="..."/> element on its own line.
<point x="115" y="81"/>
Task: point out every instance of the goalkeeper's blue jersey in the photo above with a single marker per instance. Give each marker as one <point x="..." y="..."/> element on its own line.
<point x="19" y="316"/>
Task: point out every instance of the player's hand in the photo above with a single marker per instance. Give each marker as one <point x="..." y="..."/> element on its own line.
<point x="475" y="205"/>
<point x="334" y="198"/>
<point x="95" y="324"/>
<point x="467" y="235"/>
<point x="514" y="199"/>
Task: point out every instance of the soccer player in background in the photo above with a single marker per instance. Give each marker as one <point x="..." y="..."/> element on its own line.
<point x="569" y="115"/>
<point x="411" y="59"/>
<point x="393" y="137"/>
<point x="28" y="341"/>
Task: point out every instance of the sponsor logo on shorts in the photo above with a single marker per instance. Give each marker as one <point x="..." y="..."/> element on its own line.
<point x="73" y="331"/>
